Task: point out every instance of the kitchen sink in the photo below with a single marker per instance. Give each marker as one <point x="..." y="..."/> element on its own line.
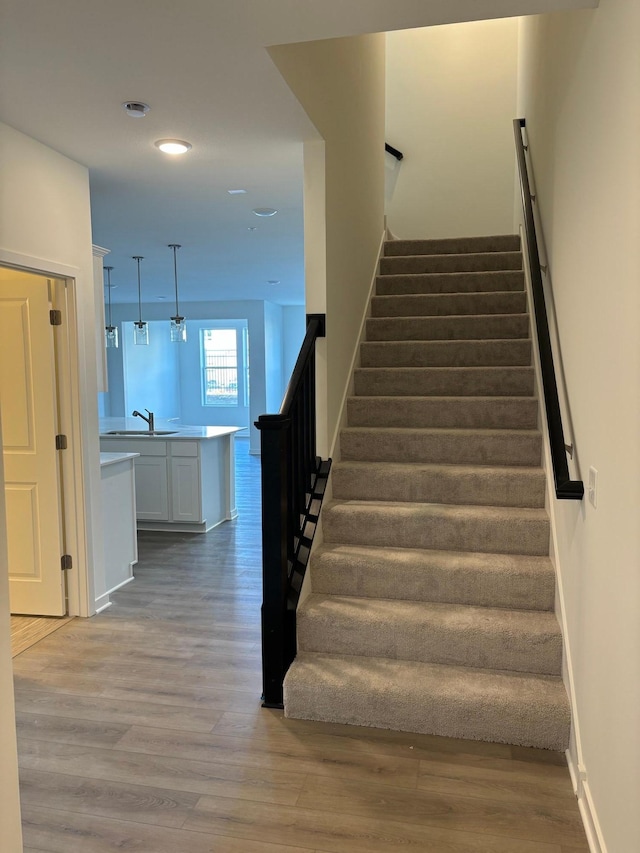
<point x="141" y="432"/>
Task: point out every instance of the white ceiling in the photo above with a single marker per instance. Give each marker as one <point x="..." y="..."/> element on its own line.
<point x="66" y="66"/>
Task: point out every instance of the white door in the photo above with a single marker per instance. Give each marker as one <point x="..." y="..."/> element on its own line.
<point x="29" y="426"/>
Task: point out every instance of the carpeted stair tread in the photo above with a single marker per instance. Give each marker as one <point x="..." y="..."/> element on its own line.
<point x="476" y="485"/>
<point x="503" y="530"/>
<point x="450" y="282"/>
<point x="461" y="702"/>
<point x="453" y="634"/>
<point x="433" y="411"/>
<point x="454" y="446"/>
<point x="491" y="580"/>
<point x="459" y="327"/>
<point x="444" y="381"/>
<point x="470" y="262"/>
<point x="453" y="245"/>
<point x="448" y="304"/>
<point x="482" y="353"/>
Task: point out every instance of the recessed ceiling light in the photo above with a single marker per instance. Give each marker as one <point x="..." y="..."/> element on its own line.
<point x="236" y="192"/>
<point x="136" y="109"/>
<point x="265" y="211"/>
<point x="252" y="228"/>
<point x="173" y="146"/>
<point x="273" y="281"/>
<point x="161" y="297"/>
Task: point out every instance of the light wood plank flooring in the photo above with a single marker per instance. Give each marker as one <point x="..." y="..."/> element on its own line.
<point x="141" y="729"/>
<point x="26" y="631"/>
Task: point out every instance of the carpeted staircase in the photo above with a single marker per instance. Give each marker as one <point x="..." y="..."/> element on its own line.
<point x="433" y="593"/>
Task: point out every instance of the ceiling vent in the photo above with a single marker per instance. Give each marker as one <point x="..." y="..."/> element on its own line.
<point x="135" y="109"/>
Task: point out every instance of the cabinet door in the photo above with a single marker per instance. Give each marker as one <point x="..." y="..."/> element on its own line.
<point x="151" y="488"/>
<point x="186" y="504"/>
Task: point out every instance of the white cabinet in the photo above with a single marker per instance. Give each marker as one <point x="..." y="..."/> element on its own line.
<point x="180" y="485"/>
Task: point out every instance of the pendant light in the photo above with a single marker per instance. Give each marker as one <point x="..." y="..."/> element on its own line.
<point x="140" y="327"/>
<point x="110" y="331"/>
<point x="178" y="325"/>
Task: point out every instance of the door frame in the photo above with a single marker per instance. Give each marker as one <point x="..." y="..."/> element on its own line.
<point x="80" y="594"/>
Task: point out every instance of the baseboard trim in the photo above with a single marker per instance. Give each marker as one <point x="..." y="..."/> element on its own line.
<point x="586" y="805"/>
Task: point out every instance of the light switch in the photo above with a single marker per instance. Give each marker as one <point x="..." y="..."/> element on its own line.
<point x="593" y="486"/>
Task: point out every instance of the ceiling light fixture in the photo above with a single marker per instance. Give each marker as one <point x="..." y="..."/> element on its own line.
<point x="140" y="327"/>
<point x="273" y="281"/>
<point x="136" y="109"/>
<point x="110" y="331"/>
<point x="237" y="192"/>
<point x="252" y="228"/>
<point x="173" y="146"/>
<point x="264" y="211"/>
<point x="178" y="325"/>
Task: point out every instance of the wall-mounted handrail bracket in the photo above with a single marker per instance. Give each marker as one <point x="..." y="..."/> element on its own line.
<point x="566" y="488"/>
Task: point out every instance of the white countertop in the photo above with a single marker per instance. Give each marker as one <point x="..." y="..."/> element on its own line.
<point x="112" y="458"/>
<point x="178" y="431"/>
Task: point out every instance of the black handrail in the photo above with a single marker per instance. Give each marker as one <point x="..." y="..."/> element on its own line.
<point x="565" y="487"/>
<point x="293" y="482"/>
<point x="393" y="151"/>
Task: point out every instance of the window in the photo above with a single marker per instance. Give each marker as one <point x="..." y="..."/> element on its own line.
<point x="219" y="358"/>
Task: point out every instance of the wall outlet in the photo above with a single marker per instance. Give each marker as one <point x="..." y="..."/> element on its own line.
<point x="593" y="487"/>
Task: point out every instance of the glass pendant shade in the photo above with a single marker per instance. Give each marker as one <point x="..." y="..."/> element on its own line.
<point x="178" y="334"/>
<point x="141" y="333"/>
<point x="110" y="331"/>
<point x="140" y="327"/>
<point x="111" y="337"/>
<point x="178" y="330"/>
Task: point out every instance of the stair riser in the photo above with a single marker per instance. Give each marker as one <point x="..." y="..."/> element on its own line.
<point x="521" y="490"/>
<point x="451" y="448"/>
<point x="450" y="282"/>
<point x="455" y="245"/>
<point x="444" y="382"/>
<point x="489" y="413"/>
<point x="451" y="263"/>
<point x="445" y="353"/>
<point x="430" y="640"/>
<point x="418" y="576"/>
<point x="368" y="524"/>
<point x="448" y="304"/>
<point x="537" y="718"/>
<point x="487" y="326"/>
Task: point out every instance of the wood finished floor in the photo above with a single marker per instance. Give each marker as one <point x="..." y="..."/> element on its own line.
<point x="26" y="631"/>
<point x="141" y="729"/>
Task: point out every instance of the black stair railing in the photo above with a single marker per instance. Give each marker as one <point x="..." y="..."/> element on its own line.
<point x="566" y="488"/>
<point x="293" y="483"/>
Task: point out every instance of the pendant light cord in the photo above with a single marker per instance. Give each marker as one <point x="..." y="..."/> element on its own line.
<point x="137" y="259"/>
<point x="108" y="269"/>
<point x="175" y="246"/>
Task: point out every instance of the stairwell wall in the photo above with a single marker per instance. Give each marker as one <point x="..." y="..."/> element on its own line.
<point x="579" y="90"/>
<point x="340" y="84"/>
<point x="451" y="97"/>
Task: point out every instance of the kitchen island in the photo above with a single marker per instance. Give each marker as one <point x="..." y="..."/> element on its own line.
<point x="185" y="475"/>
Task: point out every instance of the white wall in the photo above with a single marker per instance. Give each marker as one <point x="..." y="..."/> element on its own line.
<point x="451" y="98"/>
<point x="580" y="96"/>
<point x="45" y="222"/>
<point x="152" y="372"/>
<point x="273" y="355"/>
<point x="294" y="323"/>
<point x="340" y="84"/>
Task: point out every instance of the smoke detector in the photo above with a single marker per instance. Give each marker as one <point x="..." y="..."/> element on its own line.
<point x="136" y="109"/>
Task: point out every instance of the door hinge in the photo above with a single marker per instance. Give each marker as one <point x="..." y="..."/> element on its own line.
<point x="55" y="317"/>
<point x="66" y="562"/>
<point x="61" y="442"/>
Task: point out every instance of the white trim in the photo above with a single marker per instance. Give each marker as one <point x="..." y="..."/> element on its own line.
<point x="355" y="360"/>
<point x="587" y="809"/>
<point x="104" y="606"/>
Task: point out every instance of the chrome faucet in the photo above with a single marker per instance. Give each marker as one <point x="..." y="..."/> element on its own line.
<point x="149" y="420"/>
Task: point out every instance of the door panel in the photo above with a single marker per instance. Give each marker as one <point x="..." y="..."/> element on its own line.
<point x="29" y="426"/>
